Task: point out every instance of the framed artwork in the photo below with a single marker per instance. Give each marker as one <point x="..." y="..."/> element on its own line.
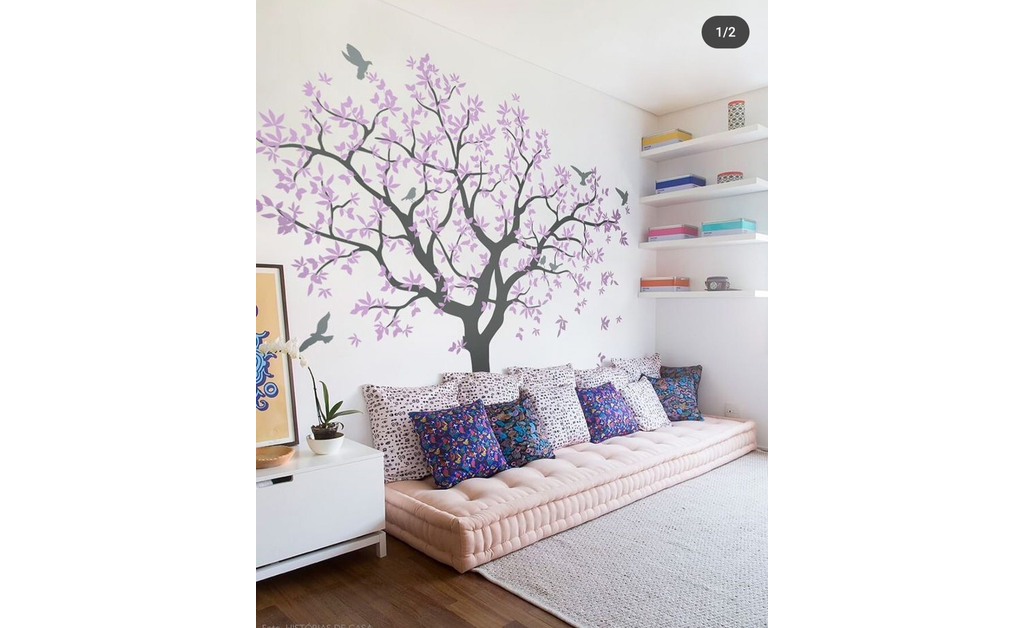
<point x="276" y="422"/>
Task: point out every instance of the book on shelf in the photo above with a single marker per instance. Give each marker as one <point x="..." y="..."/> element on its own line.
<point x="677" y="236"/>
<point x="664" y="282"/>
<point x="725" y="232"/>
<point x="665" y="138"/>
<point x="734" y="226"/>
<point x="679" y="182"/>
<point x="664" y="288"/>
<point x="673" y="230"/>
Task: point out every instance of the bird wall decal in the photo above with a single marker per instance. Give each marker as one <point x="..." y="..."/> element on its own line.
<point x="356" y="58"/>
<point x="318" y="335"/>
<point x="583" y="175"/>
<point x="623" y="195"/>
<point x="411" y="195"/>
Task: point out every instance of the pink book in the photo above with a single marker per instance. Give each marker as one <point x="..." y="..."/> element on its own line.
<point x="673" y="230"/>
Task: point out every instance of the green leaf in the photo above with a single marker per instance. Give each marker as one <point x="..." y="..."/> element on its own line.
<point x="345" y="412"/>
<point x="333" y="412"/>
<point x="327" y="398"/>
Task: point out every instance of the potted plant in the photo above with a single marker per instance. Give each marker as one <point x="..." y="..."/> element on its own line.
<point x="327" y="428"/>
<point x="327" y="436"/>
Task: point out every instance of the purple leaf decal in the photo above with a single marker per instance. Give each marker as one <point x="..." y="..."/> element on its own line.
<point x="354" y="339"/>
<point x="561" y="322"/>
<point x="604" y="323"/>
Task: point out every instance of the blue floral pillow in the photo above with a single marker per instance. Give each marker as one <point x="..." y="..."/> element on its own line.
<point x="607" y="412"/>
<point x="520" y="437"/>
<point x="678" y="396"/>
<point x="683" y="371"/>
<point x="458" y="443"/>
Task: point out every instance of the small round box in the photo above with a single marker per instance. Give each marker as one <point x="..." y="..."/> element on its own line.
<point x="732" y="175"/>
<point x="737" y="114"/>
<point x="716" y="283"/>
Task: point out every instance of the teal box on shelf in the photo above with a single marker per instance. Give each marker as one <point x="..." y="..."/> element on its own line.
<point x="728" y="227"/>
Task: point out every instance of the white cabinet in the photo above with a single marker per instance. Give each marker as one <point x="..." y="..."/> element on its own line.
<point x="316" y="507"/>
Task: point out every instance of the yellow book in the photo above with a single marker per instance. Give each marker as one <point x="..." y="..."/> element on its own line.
<point x="666" y="136"/>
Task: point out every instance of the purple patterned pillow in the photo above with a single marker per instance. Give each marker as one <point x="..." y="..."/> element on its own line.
<point x="678" y="396"/>
<point x="520" y="437"/>
<point x="458" y="443"/>
<point x="684" y="371"/>
<point x="607" y="412"/>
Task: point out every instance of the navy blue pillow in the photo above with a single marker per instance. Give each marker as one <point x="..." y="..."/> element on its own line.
<point x="458" y="443"/>
<point x="607" y="412"/>
<point x="678" y="395"/>
<point x="520" y="437"/>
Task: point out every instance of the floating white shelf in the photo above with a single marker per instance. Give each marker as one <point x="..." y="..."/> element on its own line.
<point x="719" y="190"/>
<point x="706" y="294"/>
<point x="742" y="135"/>
<point x="688" y="243"/>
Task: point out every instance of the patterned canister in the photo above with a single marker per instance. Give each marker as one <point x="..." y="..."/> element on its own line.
<point x="737" y="114"/>
<point x="732" y="175"/>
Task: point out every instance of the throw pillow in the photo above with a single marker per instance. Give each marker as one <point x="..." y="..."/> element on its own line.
<point x="646" y="407"/>
<point x="518" y="433"/>
<point x="678" y="396"/>
<point x="558" y="413"/>
<point x="549" y="376"/>
<point x="682" y="371"/>
<point x="488" y="387"/>
<point x="392" y="429"/>
<point x="458" y="443"/>
<point x="606" y="412"/>
<point x="648" y="367"/>
<point x="589" y="378"/>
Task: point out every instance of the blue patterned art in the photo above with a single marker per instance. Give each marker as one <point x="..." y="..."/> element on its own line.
<point x="265" y="389"/>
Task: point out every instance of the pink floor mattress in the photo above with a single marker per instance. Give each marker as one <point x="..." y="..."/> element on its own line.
<point x="481" y="519"/>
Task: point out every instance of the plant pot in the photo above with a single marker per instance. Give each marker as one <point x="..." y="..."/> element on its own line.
<point x="325" y="447"/>
<point x="325" y="433"/>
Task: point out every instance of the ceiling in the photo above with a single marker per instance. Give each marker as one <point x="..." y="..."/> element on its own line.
<point x="648" y="53"/>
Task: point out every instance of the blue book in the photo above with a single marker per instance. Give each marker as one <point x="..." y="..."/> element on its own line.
<point x="692" y="180"/>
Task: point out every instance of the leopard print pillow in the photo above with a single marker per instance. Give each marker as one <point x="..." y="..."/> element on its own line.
<point x="491" y="388"/>
<point x="548" y="376"/>
<point x="558" y="413"/>
<point x="393" y="431"/>
<point x="589" y="378"/>
<point x="645" y="404"/>
<point x="649" y="366"/>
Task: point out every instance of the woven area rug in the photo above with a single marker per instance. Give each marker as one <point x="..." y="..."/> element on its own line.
<point x="692" y="555"/>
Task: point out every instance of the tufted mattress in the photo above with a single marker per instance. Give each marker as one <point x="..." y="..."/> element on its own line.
<point x="481" y="519"/>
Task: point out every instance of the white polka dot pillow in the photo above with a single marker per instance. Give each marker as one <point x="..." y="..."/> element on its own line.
<point x="646" y="406"/>
<point x="590" y="378"/>
<point x="393" y="431"/>
<point x="558" y="413"/>
<point x="551" y="376"/>
<point x="649" y="366"/>
<point x="491" y="388"/>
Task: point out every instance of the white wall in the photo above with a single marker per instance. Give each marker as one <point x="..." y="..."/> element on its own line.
<point x="729" y="337"/>
<point x="295" y="41"/>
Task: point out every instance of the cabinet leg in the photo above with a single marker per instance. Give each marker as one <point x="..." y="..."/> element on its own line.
<point x="382" y="545"/>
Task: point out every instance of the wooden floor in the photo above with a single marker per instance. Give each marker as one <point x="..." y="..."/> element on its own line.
<point x="406" y="589"/>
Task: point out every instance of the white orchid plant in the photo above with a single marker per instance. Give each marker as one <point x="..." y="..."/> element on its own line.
<point x="327" y="414"/>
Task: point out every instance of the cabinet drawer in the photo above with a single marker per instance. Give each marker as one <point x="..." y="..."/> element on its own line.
<point x="307" y="511"/>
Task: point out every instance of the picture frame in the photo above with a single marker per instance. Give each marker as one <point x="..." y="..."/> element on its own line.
<point x="276" y="415"/>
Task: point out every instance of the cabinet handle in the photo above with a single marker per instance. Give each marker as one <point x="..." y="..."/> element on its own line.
<point x="280" y="480"/>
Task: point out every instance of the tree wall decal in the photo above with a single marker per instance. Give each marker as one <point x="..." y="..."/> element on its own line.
<point x="458" y="213"/>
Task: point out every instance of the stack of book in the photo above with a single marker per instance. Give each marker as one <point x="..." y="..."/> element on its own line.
<point x="665" y="138"/>
<point x="678" y="182"/>
<point x="727" y="227"/>
<point x="664" y="284"/>
<point x="671" y="232"/>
